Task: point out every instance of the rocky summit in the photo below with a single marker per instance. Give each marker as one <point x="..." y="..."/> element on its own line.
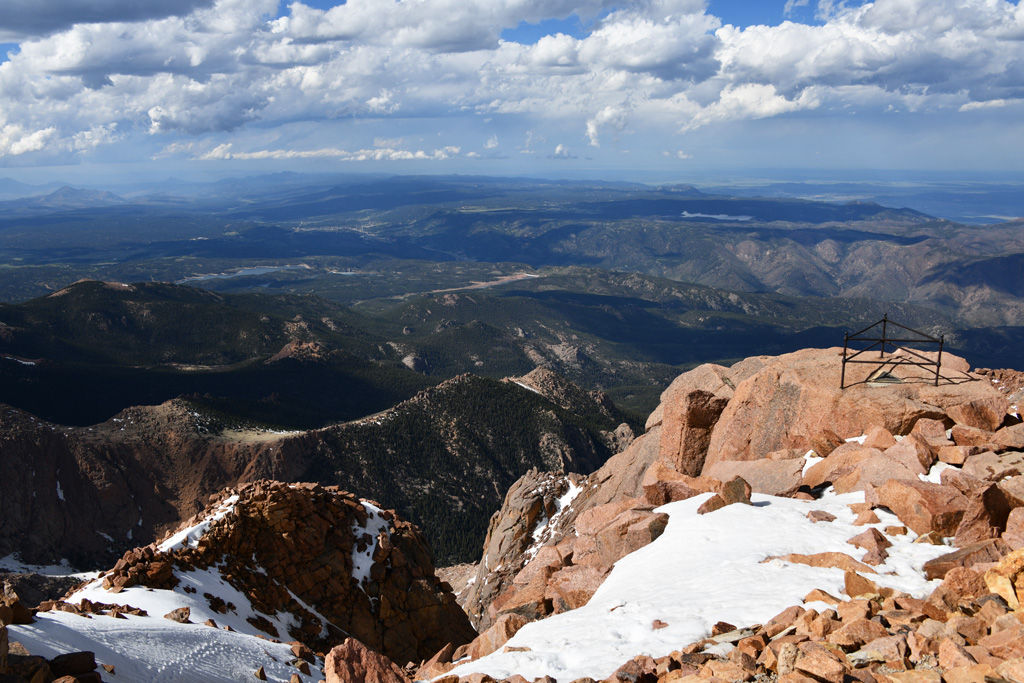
<point x="768" y="525"/>
<point x="312" y="564"/>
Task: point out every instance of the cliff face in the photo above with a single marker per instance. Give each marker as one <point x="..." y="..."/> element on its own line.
<point x="444" y="458"/>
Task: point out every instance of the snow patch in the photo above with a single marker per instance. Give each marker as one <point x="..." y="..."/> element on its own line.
<point x="362" y="562"/>
<point x="703" y="568"/>
<point x="542" y="532"/>
<point x="189" y="537"/>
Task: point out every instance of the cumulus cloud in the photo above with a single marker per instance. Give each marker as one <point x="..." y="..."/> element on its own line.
<point x="561" y="152"/>
<point x="216" y="67"/>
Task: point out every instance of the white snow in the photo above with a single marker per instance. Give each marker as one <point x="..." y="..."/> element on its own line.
<point x="190" y="536"/>
<point x="544" y="526"/>
<point x="527" y="386"/>
<point x="703" y="569"/>
<point x="362" y="562"/>
<point x="60" y="491"/>
<point x="157" y="650"/>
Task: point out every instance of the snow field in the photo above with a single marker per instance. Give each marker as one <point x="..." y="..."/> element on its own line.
<point x="703" y="569"/>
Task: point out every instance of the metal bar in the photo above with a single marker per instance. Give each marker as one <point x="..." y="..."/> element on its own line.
<point x="938" y="365"/>
<point x="885" y="322"/>
<point x="927" y="337"/>
<point x="864" y="330"/>
<point x="842" y="376"/>
<point x="865" y="351"/>
<point x="894" y="339"/>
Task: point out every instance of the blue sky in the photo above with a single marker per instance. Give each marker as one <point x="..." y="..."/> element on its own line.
<point x="616" y="88"/>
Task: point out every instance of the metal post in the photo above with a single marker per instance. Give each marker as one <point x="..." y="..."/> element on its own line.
<point x="885" y="324"/>
<point x="842" y="377"/>
<point x="938" y="364"/>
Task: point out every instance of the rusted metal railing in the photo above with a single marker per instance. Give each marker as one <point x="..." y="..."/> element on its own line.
<point x="914" y="357"/>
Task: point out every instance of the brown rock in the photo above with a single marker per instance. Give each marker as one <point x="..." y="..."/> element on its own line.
<point x="951" y="655"/>
<point x="971" y="436"/>
<point x="857" y="585"/>
<point x="991" y="550"/>
<point x="496" y="636"/>
<point x="839" y="462"/>
<point x="818" y="595"/>
<point x="572" y="587"/>
<point x="715" y="502"/>
<point x="991" y="466"/>
<point x="986" y="414"/>
<point x="260" y="674"/>
<point x="923" y="506"/>
<point x="958" y="585"/>
<point x="353" y="662"/>
<point x="971" y="673"/>
<point x="856" y="609"/>
<point x="889" y="649"/>
<point x="783" y="620"/>
<point x="915" y="676"/>
<point x="687" y="423"/>
<point x="664" y="485"/>
<point x="871" y="473"/>
<point x="179" y="615"/>
<point x="1010" y="437"/>
<point x="855" y="634"/>
<point x="984" y="518"/>
<point x="1014" y="534"/>
<point x="880" y="438"/>
<point x="795" y="397"/>
<point x="73" y="664"/>
<point x="821" y="665"/>
<point x="820" y="516"/>
<point x="1007" y="644"/>
<point x="866" y="517"/>
<point x="771" y="477"/>
<point x="955" y="455"/>
<point x="829" y="559"/>
<point x="1006" y="579"/>
<point x="915" y="452"/>
<point x="875" y="543"/>
<point x="1012" y="670"/>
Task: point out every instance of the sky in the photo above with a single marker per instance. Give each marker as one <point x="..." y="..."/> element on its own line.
<point x="119" y="88"/>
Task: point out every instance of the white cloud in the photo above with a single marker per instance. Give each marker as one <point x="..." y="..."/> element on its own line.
<point x="221" y="67"/>
<point x="224" y="152"/>
<point x="613" y="116"/>
<point x="15" y="140"/>
<point x="992" y="104"/>
<point x="793" y="4"/>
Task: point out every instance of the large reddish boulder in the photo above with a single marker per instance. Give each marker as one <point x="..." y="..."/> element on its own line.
<point x="353" y="662"/>
<point x="686" y="429"/>
<point x="924" y="507"/>
<point x="796" y="397"/>
<point x="981" y="413"/>
<point x="873" y="472"/>
<point x="985" y="516"/>
<point x="664" y="485"/>
<point x="771" y="477"/>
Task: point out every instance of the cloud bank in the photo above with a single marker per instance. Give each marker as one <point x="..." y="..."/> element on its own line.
<point x="208" y="78"/>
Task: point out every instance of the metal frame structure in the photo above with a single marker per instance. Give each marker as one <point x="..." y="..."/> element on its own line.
<point x="895" y="343"/>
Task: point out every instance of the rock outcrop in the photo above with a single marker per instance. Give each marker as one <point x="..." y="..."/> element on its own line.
<point x="730" y="431"/>
<point x="338" y="566"/>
